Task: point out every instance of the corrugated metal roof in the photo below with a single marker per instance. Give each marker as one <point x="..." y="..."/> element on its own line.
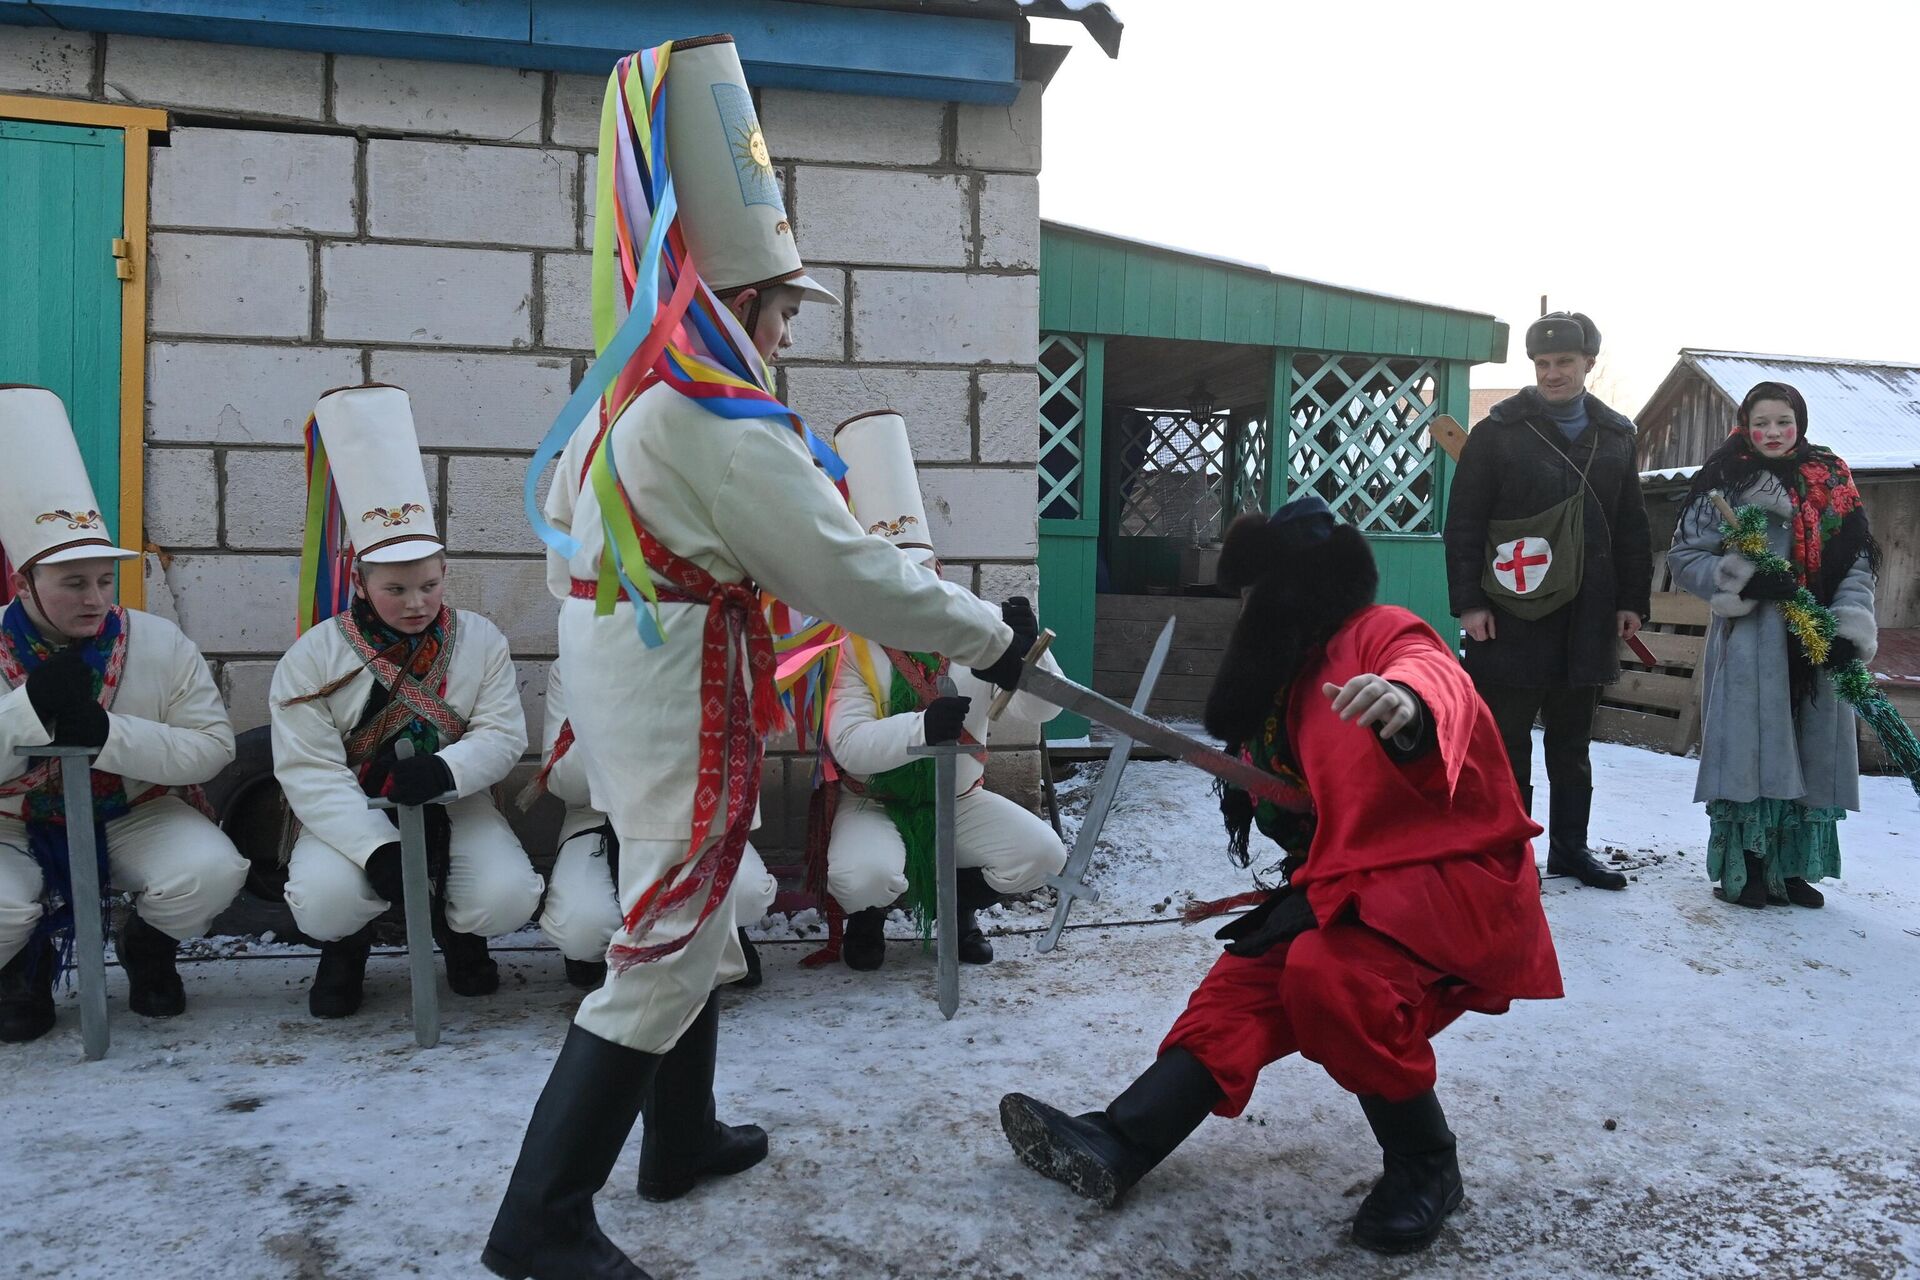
<point x="1867" y="411"/>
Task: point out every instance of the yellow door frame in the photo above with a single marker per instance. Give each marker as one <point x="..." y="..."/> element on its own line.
<point x="139" y="124"/>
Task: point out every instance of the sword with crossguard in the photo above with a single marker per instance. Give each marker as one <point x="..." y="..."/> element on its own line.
<point x="1131" y="726"/>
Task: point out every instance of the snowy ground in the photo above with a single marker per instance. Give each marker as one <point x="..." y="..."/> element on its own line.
<point x="1723" y="1093"/>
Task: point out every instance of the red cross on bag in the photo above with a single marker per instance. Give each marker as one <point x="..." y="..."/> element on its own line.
<point x="1513" y="560"/>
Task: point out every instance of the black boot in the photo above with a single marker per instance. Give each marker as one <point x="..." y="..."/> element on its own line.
<point x="1420" y="1179"/>
<point x="545" y="1229"/>
<point x="752" y="979"/>
<point x="1102" y="1153"/>
<point x="470" y="970"/>
<point x="1567" y="852"/>
<point x="1802" y="894"/>
<point x="588" y="975"/>
<point x="26" y="994"/>
<point x="974" y="895"/>
<point x="1754" y="892"/>
<point x="865" y="945"/>
<point x="680" y="1141"/>
<point x="153" y="984"/>
<point x="338" y="982"/>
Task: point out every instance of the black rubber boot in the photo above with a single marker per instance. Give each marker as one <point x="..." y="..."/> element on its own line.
<point x="545" y="1229"/>
<point x="339" y="981"/>
<point x="588" y="975"/>
<point x="1754" y="892"/>
<point x="153" y="984"/>
<point x="680" y="1141"/>
<point x="1567" y="852"/>
<point x="470" y="970"/>
<point x="970" y="885"/>
<point x="1102" y="1153"/>
<point x="1420" y="1175"/>
<point x="1802" y="894"/>
<point x="26" y="994"/>
<point x="865" y="945"/>
<point x="752" y="979"/>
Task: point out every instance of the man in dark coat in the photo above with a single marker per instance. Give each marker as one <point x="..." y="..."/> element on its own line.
<point x="1530" y="455"/>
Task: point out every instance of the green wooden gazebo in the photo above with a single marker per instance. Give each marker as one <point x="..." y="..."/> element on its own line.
<point x="1177" y="390"/>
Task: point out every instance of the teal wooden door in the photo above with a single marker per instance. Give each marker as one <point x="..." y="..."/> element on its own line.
<point x="61" y="208"/>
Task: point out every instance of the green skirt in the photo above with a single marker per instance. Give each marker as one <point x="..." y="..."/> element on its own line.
<point x="1793" y="841"/>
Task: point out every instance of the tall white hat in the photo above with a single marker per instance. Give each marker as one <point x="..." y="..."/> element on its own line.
<point x="374" y="454"/>
<point x="731" y="208"/>
<point x="882" y="484"/>
<point x="48" y="511"/>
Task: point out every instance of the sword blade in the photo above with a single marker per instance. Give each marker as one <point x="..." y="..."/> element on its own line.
<point x="947" y="952"/>
<point x="1073" y="696"/>
<point x="1071" y="883"/>
<point x="419" y="907"/>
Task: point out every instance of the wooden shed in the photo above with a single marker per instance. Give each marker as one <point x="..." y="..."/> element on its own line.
<point x="1866" y="411"/>
<point x="1179" y="389"/>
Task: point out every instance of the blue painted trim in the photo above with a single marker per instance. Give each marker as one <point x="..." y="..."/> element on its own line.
<point x="783" y="43"/>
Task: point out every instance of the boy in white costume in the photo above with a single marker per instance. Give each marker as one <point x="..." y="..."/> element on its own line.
<point x="722" y="507"/>
<point x="393" y="663"/>
<point x="582" y="910"/>
<point x="886" y="702"/>
<point x="81" y="670"/>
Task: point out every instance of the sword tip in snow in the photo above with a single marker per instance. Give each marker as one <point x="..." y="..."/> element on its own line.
<point x="83" y="869"/>
<point x="419" y="908"/>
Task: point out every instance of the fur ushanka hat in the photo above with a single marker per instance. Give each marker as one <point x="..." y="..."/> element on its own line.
<point x="1302" y="574"/>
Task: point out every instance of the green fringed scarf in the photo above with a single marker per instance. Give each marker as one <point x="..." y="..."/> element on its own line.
<point x="907" y="794"/>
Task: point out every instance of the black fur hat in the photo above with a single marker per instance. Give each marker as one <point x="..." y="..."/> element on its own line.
<point x="1304" y="574"/>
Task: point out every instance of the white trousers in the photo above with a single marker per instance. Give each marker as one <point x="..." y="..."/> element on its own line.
<point x="866" y="859"/>
<point x="651" y="1005"/>
<point x="583" y="909"/>
<point x="181" y="869"/>
<point x="491" y="888"/>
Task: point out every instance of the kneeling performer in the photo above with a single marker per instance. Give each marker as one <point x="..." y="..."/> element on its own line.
<point x="382" y="660"/>
<point x="1411" y="898"/>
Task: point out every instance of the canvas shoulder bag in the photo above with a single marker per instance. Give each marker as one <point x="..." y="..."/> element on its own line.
<point x="1534" y="563"/>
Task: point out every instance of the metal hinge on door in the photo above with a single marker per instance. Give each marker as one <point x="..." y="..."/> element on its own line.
<point x="122" y="264"/>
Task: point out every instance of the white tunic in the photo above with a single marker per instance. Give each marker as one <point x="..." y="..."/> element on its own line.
<point x="309" y="738"/>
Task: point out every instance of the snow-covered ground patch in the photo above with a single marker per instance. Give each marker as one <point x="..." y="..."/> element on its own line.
<point x="1723" y="1093"/>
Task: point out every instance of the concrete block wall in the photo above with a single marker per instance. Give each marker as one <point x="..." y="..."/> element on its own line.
<point x="323" y="219"/>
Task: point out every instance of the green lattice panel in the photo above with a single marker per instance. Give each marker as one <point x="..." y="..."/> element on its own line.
<point x="1358" y="437"/>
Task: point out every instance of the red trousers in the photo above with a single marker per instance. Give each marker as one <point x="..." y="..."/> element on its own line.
<point x="1344" y="996"/>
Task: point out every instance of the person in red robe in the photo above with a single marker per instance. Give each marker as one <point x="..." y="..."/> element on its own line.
<point x="1410" y="894"/>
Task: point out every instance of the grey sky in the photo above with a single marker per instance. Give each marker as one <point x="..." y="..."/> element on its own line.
<point x="1690" y="173"/>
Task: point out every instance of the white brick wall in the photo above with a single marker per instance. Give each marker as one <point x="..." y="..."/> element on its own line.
<point x="477" y="401"/>
<point x="232" y="78"/>
<point x="485" y="510"/>
<point x="933" y="402"/>
<point x="882" y="216"/>
<point x="245" y="178"/>
<point x="1009" y="414"/>
<point x="183" y="498"/>
<point x="245" y="685"/>
<point x="244" y="286"/>
<point x="235" y="604"/>
<point x="438" y="97"/>
<point x="265" y="498"/>
<point x="417" y="293"/>
<point x="820" y="330"/>
<point x="1010" y="221"/>
<point x="945" y="317"/>
<point x="471" y="193"/>
<point x="566" y="300"/>
<point x="233" y="393"/>
<point x="513" y="593"/>
<point x="980" y="514"/>
<point x="45" y="60"/>
<point x="848" y="129"/>
<point x="993" y="137"/>
<point x="576" y="110"/>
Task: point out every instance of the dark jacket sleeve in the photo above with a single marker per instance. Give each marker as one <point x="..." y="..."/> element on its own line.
<point x="1476" y="481"/>
<point x="1632" y="543"/>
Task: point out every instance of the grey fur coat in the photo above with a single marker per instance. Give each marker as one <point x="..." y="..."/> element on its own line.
<point x="1750" y="745"/>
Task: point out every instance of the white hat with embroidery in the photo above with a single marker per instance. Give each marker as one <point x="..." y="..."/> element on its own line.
<point x="48" y="511"/>
<point x="882" y="484"/>
<point x="731" y="208"/>
<point x="374" y="454"/>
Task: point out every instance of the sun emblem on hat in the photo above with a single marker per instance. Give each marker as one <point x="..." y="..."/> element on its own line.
<point x="74" y="519"/>
<point x="399" y="515"/>
<point x="892" y="528"/>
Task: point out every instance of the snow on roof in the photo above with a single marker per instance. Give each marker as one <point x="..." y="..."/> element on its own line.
<point x="1867" y="411"/>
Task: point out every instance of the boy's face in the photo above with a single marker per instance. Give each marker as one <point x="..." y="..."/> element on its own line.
<point x="71" y="598"/>
<point x="1561" y="375"/>
<point x="773" y="329"/>
<point x="406" y="596"/>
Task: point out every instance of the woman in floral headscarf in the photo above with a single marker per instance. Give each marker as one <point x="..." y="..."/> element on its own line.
<point x="1779" y="763"/>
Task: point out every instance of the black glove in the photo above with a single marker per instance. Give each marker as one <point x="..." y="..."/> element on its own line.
<point x="419" y="780"/>
<point x="1841" y="652"/>
<point x="1281" y="918"/>
<point x="60" y="685"/>
<point x="1005" y="671"/>
<point x="1770" y="584"/>
<point x="84" y="726"/>
<point x="945" y="716"/>
<point x="383" y="873"/>
<point x="1017" y="612"/>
